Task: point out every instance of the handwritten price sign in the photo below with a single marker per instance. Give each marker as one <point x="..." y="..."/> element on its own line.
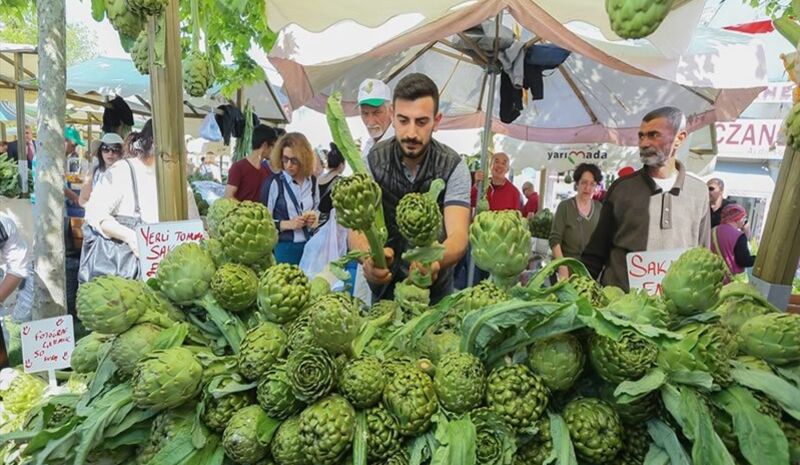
<point x="646" y="270"/>
<point x="156" y="240"/>
<point x="47" y="344"/>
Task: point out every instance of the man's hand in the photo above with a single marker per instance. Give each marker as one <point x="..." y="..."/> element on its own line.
<point x="478" y="176"/>
<point x="433" y="269"/>
<point x="377" y="275"/>
<point x="563" y="273"/>
<point x="71" y="196"/>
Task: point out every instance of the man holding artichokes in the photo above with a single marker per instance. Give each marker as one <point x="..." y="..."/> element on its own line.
<point x="408" y="163"/>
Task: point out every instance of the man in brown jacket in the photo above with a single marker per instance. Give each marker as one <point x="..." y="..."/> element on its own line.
<point x="659" y="207"/>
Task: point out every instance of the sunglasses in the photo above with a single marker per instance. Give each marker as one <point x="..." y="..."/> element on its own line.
<point x="110" y="148"/>
<point x="290" y="160"/>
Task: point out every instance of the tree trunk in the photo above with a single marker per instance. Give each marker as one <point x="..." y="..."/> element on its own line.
<point x="48" y="211"/>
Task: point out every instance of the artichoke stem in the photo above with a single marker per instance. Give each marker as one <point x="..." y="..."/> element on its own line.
<point x="375" y="247"/>
<point x="231" y="328"/>
<point x="504" y="282"/>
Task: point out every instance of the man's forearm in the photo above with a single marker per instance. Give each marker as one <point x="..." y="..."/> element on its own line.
<point x="8" y="285"/>
<point x="454" y="249"/>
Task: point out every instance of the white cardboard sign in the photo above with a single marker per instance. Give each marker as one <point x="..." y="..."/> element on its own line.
<point x="647" y="269"/>
<point x="157" y="239"/>
<point x="47" y="344"/>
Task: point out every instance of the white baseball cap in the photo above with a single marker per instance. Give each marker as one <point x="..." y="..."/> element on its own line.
<point x="374" y="92"/>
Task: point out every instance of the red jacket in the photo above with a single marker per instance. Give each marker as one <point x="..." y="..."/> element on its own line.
<point x="505" y="197"/>
<point x="531" y="206"/>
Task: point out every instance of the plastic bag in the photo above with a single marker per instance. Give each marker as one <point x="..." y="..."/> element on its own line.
<point x="328" y="244"/>
<point x="209" y="129"/>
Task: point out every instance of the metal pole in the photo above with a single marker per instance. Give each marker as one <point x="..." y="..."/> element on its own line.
<point x="22" y="148"/>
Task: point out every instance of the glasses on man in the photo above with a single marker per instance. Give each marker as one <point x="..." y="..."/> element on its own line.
<point x="116" y="150"/>
<point x="290" y="160"/>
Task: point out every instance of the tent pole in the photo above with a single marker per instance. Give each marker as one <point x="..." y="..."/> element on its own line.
<point x="542" y="188"/>
<point x="22" y="150"/>
<point x="2" y="131"/>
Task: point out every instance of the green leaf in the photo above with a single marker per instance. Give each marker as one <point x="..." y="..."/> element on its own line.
<point x="456" y="442"/>
<point x="609" y="325"/>
<point x="424" y="255"/>
<point x="368" y="331"/>
<point x="563" y="452"/>
<point x="98" y="10"/>
<point x="666" y="439"/>
<point x="543" y="276"/>
<point x="777" y="388"/>
<point x="653" y="380"/>
<point x="699" y="379"/>
<point x="360" y="439"/>
<point x="178" y="449"/>
<point x="760" y="437"/>
<point x="790" y="373"/>
<point x="266" y="429"/>
<point x="656" y="456"/>
<point x="171" y="337"/>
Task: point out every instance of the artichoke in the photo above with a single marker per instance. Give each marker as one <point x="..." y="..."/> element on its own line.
<point x="383" y="438"/>
<point x="693" y="281"/>
<point x="635" y="19"/>
<point x="594" y="428"/>
<point x="241" y="437"/>
<point x="627" y="358"/>
<point x="326" y="430"/>
<point x="260" y="349"/>
<point x="124" y="20"/>
<point x="286" y="447"/>
<point x="218" y="409"/>
<point x="186" y="272"/>
<point x="166" y="378"/>
<point x="538" y="447"/>
<point x="774" y="337"/>
<point x="460" y="382"/>
<point x="140" y="54"/>
<point x="635" y="412"/>
<point x="20" y="391"/>
<point x="299" y="332"/>
<point x="163" y="429"/>
<point x="435" y="345"/>
<point x="640" y="308"/>
<point x="274" y="394"/>
<point x="235" y="287"/>
<point x="319" y="286"/>
<point x="356" y="199"/>
<point x="247" y="233"/>
<point x="588" y="288"/>
<point x="218" y="211"/>
<point x="419" y="219"/>
<point x="132" y="345"/>
<point x="480" y="296"/>
<point x="283" y="291"/>
<point x="86" y="353"/>
<point x="147" y="7"/>
<point x="558" y="360"/>
<point x="411" y="398"/>
<point x="613" y="293"/>
<point x="382" y="307"/>
<point x="501" y="244"/>
<point x="362" y="382"/>
<point x="334" y="322"/>
<point x="494" y="440"/>
<point x="635" y="444"/>
<point x="541" y="223"/>
<point x="311" y="372"/>
<point x="734" y="313"/>
<point x="109" y="304"/>
<point x="198" y="73"/>
<point x="517" y="395"/>
<point x="706" y="348"/>
<point x="399" y="458"/>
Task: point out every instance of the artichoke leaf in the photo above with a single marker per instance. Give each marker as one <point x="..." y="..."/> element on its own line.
<point x="563" y="452"/>
<point x="790" y="373"/>
<point x="780" y="390"/>
<point x="266" y="428"/>
<point x="337" y="266"/>
<point x="694" y="378"/>
<point x="360" y="439"/>
<point x="456" y="440"/>
<point x="630" y="391"/>
<point x="171" y="337"/>
<point x="665" y="438"/>
<point x="543" y="276"/>
<point x="608" y="324"/>
<point x="656" y="456"/>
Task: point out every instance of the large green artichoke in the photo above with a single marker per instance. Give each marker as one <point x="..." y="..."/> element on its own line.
<point x="311" y="372"/>
<point x="411" y="398"/>
<point x="124" y="20"/>
<point x="132" y="345"/>
<point x="109" y="304"/>
<point x="299" y="331"/>
<point x="86" y="354"/>
<point x="627" y="358"/>
<point x="140" y="54"/>
<point x="185" y="273"/>
<point x="735" y="312"/>
<point x="166" y="378"/>
<point x="235" y="287"/>
<point x="594" y="428"/>
<point x="286" y="446"/>
<point x="774" y="337"/>
<point x="326" y="430"/>
<point x="494" y="439"/>
<point x="283" y="291"/>
<point x="638" y="307"/>
<point x="703" y="347"/>
<point x="588" y="288"/>
<point x="260" y="349"/>
<point x="241" y="437"/>
<point x="558" y="360"/>
<point x="198" y="73"/>
<point x="460" y="382"/>
<point x="334" y="322"/>
<point x="501" y="244"/>
<point x="247" y="233"/>
<point x="356" y="199"/>
<point x="218" y="211"/>
<point x="694" y="280"/>
<point x="362" y="382"/>
<point x="517" y="395"/>
<point x="383" y="437"/>
<point x="436" y="344"/>
<point x="147" y="7"/>
<point x="536" y="449"/>
<point x="220" y="406"/>
<point x="634" y="19"/>
<point x="419" y="219"/>
<point x="275" y="396"/>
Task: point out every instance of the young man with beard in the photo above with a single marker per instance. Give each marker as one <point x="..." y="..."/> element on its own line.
<point x="409" y="162"/>
<point x="659" y="207"/>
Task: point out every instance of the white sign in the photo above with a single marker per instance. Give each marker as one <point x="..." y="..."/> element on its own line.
<point x="156" y="240"/>
<point x="47" y="344"/>
<point x="647" y="269"/>
<point x="749" y="136"/>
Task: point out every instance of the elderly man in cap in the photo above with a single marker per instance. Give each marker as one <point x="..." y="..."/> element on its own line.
<point x="375" y="102"/>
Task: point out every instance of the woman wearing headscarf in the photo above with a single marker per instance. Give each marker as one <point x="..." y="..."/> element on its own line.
<point x="730" y="242"/>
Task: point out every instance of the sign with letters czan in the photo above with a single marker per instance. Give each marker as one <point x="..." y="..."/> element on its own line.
<point x="646" y="270"/>
<point x="157" y="239"/>
<point x="47" y="344"/>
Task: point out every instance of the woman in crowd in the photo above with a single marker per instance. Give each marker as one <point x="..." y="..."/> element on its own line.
<point x="335" y="166"/>
<point x="108" y="152"/>
<point x="576" y="217"/>
<point x="730" y="242"/>
<point x="292" y="196"/>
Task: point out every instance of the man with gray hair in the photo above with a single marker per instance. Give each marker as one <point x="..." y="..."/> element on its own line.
<point x="659" y="207"/>
<point x="375" y="104"/>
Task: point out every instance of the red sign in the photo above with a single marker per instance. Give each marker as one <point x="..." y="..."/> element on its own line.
<point x="779" y="92"/>
<point x="747" y="135"/>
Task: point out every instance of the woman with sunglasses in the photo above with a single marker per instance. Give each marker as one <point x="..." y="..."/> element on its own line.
<point x="292" y="196"/>
<point x="108" y="152"/>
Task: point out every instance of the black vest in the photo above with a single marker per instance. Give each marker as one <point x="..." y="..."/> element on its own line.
<point x="385" y="163"/>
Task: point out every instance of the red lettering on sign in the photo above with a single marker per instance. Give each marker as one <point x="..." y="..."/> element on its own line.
<point x="637" y="269"/>
<point x="26" y="330"/>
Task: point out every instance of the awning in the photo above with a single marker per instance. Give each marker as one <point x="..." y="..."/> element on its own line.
<point x="744" y="179"/>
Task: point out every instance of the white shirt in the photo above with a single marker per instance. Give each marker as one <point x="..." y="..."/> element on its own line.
<point x="210" y="169"/>
<point x="307" y="198"/>
<point x="388" y="134"/>
<point x="14" y="255"/>
<point x="113" y="194"/>
<point x="666" y="183"/>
